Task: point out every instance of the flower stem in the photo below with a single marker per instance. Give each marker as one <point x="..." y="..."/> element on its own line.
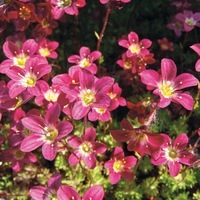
<point x="103" y="28"/>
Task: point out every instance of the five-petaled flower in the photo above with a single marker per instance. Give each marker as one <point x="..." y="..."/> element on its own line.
<point x="168" y="86"/>
<point x="27" y="78"/>
<point x="189" y="19"/>
<point x="86" y="59"/>
<point x="135" y="46"/>
<point x="120" y="166"/>
<point x="46" y="132"/>
<point x="174" y="154"/>
<point x="139" y="140"/>
<point x="86" y="148"/>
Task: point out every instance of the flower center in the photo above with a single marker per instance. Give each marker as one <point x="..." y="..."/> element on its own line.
<point x="134" y="48"/>
<point x="128" y="64"/>
<point x="20" y="60"/>
<point x="167" y="89"/>
<point x="100" y="110"/>
<point x="86" y="148"/>
<point x="118" y="166"/>
<point x="51" y="95"/>
<point x="50" y="133"/>
<point x="29" y="80"/>
<point x="172" y="153"/>
<point x="190" y="21"/>
<point x="24" y="13"/>
<point x="84" y="62"/>
<point x="65" y="3"/>
<point x="45" y="23"/>
<point x="19" y="155"/>
<point x="44" y="52"/>
<point x="164" y="47"/>
<point x="112" y="95"/>
<point x="87" y="96"/>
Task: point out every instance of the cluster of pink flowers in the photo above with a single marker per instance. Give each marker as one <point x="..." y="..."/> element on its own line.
<point x="137" y="55"/>
<point x="61" y="100"/>
<point x="185" y="20"/>
<point x="58" y="191"/>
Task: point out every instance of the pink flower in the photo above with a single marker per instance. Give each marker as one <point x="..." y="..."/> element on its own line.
<point x="14" y="155"/>
<point x="26" y="15"/>
<point x="134" y="63"/>
<point x="49" y="192"/>
<point x="196" y="48"/>
<point x="168" y="86"/>
<point x="165" y="45"/>
<point x="174" y="154"/>
<point x="47" y="48"/>
<point x="85" y="148"/>
<point x="86" y="59"/>
<point x="46" y="132"/>
<point x="114" y="93"/>
<point x="139" y="140"/>
<point x="176" y="26"/>
<point x="17" y="56"/>
<point x="55" y="190"/>
<point x="89" y="93"/>
<point x="189" y="19"/>
<point x="120" y="166"/>
<point x="66" y="6"/>
<point x="48" y="96"/>
<point x="95" y="192"/>
<point x="135" y="46"/>
<point x="27" y="78"/>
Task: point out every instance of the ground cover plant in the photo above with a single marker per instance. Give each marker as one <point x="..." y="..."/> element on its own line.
<point x="99" y="99"/>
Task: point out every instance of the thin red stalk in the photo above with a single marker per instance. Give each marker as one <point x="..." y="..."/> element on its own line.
<point x="103" y="28"/>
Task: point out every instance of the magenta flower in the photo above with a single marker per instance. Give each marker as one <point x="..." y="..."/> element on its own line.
<point x="139" y="140"/>
<point x="135" y="46"/>
<point x="115" y="95"/>
<point x="176" y="26"/>
<point x="95" y="192"/>
<point x="46" y="132"/>
<point x="91" y="93"/>
<point x="66" y="6"/>
<point x="174" y="154"/>
<point x="14" y="155"/>
<point x="196" y="48"/>
<point x="189" y="19"/>
<point x="120" y="166"/>
<point x="49" y="192"/>
<point x="85" y="148"/>
<point x="17" y="56"/>
<point x="47" y="48"/>
<point x="168" y="86"/>
<point x="55" y="190"/>
<point x="86" y="59"/>
<point x="49" y="95"/>
<point x="27" y="78"/>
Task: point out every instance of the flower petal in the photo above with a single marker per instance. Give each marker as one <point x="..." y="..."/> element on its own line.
<point x="168" y="69"/>
<point x="38" y="192"/>
<point x="95" y="192"/>
<point x="67" y="193"/>
<point x="49" y="150"/>
<point x="174" y="168"/>
<point x="185" y="80"/>
<point x="150" y="77"/>
<point x="181" y="141"/>
<point x="185" y="100"/>
<point x="31" y="142"/>
<point x="34" y="123"/>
